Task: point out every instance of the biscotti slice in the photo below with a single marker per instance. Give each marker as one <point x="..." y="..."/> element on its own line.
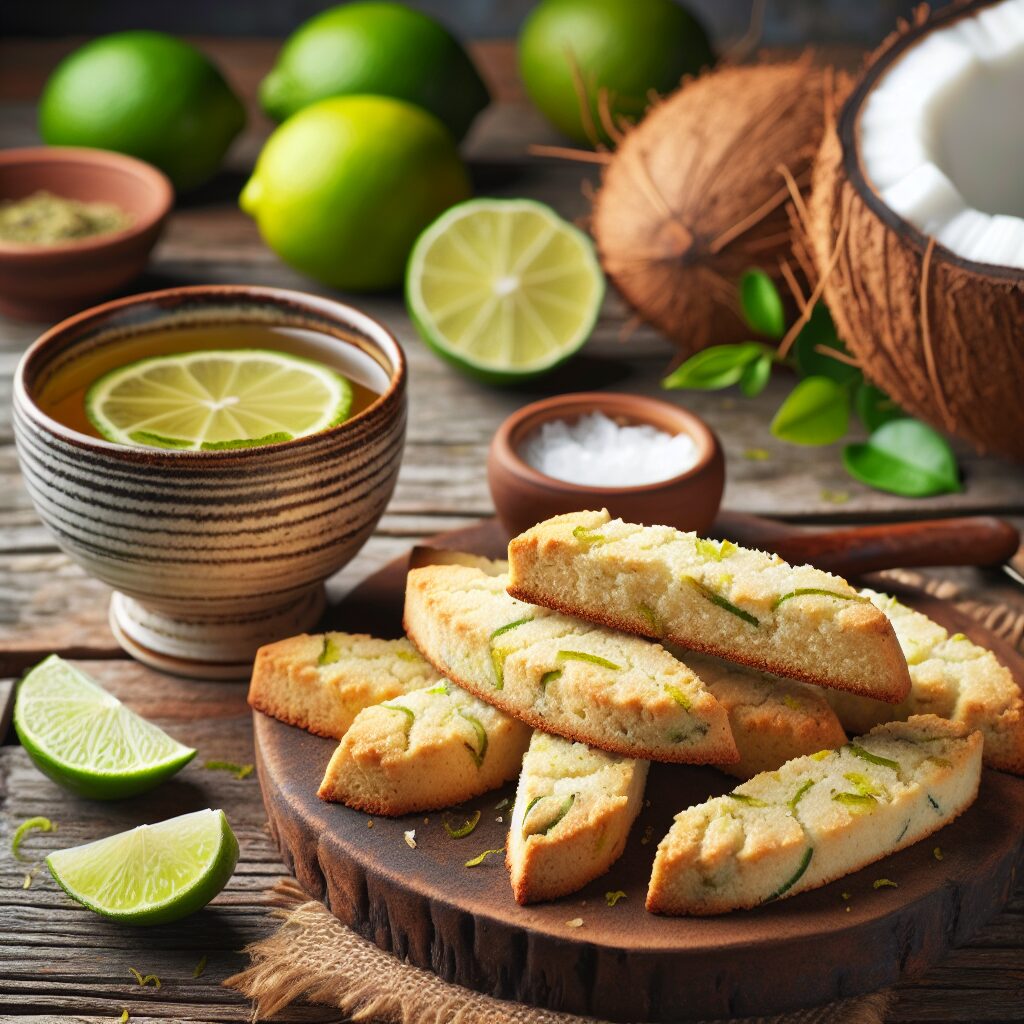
<point x="574" y="808"/>
<point x="422" y="555"/>
<point x="424" y="750"/>
<point x="321" y="682"/>
<point x="772" y="719"/>
<point x="560" y="675"/>
<point x="817" y="818"/>
<point x="950" y="677"/>
<point x="716" y="598"/>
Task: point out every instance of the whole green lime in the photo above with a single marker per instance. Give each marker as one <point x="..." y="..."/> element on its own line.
<point x="384" y="49"/>
<point x="342" y="189"/>
<point x="625" y="49"/>
<point x="146" y="94"/>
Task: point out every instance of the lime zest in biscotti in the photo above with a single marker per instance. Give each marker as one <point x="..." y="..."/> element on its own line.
<point x="717" y="598"/>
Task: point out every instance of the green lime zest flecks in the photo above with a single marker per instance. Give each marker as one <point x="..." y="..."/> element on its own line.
<point x="937" y="853"/>
<point x="750" y="801"/>
<point x="716" y="599"/>
<point x="796" y="876"/>
<point x="820" y="755"/>
<point x="587" y="537"/>
<point x="817" y="591"/>
<point x="441" y="687"/>
<point x="611" y="898"/>
<point x="330" y="652"/>
<point x="200" y="967"/>
<point x="410" y="717"/>
<point x="884" y="883"/>
<point x="32" y="824"/>
<point x="859" y="803"/>
<point x="863" y="785"/>
<point x="592" y="659"/>
<point x="714" y="551"/>
<point x="499" y="654"/>
<point x="479" y="752"/>
<point x="799" y="795"/>
<point x="549" y="677"/>
<point x="866" y="755"/>
<point x="559" y="814"/>
<point x="650" y="617"/>
<point x="678" y="696"/>
<point x="240" y="771"/>
<point x="791" y="702"/>
<point x="145" y="979"/>
<point x="480" y="858"/>
<point x="410" y="656"/>
<point x="463" y="830"/>
<point x="125" y="1016"/>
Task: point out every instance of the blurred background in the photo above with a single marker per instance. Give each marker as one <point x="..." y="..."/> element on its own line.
<point x="787" y="22"/>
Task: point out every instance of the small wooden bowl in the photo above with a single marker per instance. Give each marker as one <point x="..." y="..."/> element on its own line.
<point x="523" y="496"/>
<point x="47" y="282"/>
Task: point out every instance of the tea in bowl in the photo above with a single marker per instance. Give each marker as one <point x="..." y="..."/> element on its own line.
<point x="213" y="546"/>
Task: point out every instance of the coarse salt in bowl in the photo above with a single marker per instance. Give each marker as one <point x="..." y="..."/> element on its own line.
<point x="598" y="451"/>
<point x="644" y="459"/>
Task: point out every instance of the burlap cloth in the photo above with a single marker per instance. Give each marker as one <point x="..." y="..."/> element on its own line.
<point x="314" y="957"/>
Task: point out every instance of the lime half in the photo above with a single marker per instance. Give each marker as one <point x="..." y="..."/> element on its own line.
<point x="231" y="398"/>
<point x="86" y="740"/>
<point x="503" y="288"/>
<point x="151" y="874"/>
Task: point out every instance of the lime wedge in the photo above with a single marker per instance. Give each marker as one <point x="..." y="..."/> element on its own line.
<point x="151" y="874"/>
<point x="213" y="399"/>
<point x="504" y="289"/>
<point x="87" y="740"/>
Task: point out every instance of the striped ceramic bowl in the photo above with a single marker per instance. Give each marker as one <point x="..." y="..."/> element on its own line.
<point x="213" y="553"/>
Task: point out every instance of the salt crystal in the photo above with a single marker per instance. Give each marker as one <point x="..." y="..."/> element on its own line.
<point x="596" y="451"/>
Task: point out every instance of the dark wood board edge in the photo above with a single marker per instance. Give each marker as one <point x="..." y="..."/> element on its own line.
<point x="482" y="941"/>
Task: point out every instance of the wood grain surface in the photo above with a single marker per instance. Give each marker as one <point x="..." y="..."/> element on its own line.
<point x="425" y="905"/>
<point x="57" y="961"/>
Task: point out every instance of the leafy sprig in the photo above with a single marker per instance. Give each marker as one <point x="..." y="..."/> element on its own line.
<point x="901" y="455"/>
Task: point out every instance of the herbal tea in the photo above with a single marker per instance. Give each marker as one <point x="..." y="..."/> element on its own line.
<point x="213" y="387"/>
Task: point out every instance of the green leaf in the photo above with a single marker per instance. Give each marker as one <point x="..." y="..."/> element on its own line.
<point x="761" y="304"/>
<point x="904" y="457"/>
<point x="820" y="330"/>
<point x="874" y="406"/>
<point x="816" y="412"/>
<point x="714" y="368"/>
<point x="756" y="375"/>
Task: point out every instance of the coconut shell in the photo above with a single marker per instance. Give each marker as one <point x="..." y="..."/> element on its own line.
<point x="940" y="334"/>
<point x="695" y="195"/>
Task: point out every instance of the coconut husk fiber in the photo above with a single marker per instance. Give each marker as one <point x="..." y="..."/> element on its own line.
<point x="314" y="958"/>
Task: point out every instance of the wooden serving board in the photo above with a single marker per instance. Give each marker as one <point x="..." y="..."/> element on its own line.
<point x="622" y="964"/>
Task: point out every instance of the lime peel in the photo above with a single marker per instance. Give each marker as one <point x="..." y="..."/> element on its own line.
<point x="39" y="824"/>
<point x="480" y="858"/>
<point x="240" y="771"/>
<point x="465" y="829"/>
<point x="145" y="979"/>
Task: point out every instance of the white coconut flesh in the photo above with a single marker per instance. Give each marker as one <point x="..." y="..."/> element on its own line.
<point x="941" y="135"/>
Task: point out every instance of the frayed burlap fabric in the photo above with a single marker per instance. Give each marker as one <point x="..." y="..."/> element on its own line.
<point x="313" y="957"/>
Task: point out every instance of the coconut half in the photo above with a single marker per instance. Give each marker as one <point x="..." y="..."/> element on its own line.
<point x="697" y="194"/>
<point x="917" y="220"/>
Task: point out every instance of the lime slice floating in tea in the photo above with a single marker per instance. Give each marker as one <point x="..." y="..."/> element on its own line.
<point x="151" y="874"/>
<point x="86" y="740"/>
<point x="503" y="288"/>
<point x="216" y="399"/>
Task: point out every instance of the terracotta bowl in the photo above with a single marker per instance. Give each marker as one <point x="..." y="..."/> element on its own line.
<point x="523" y="496"/>
<point x="44" y="282"/>
<point x="212" y="553"/>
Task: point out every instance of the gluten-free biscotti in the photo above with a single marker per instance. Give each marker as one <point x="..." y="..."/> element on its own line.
<point x="320" y="682"/>
<point x="424" y="750"/>
<point x="817" y="818"/>
<point x="950" y="676"/>
<point x="772" y="719"/>
<point x="584" y="682"/>
<point x="714" y="597"/>
<point x="573" y="811"/>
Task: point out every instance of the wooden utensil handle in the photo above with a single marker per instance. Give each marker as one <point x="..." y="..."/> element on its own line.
<point x="851" y="550"/>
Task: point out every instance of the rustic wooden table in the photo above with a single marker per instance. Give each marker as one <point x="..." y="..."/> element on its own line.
<point x="58" y="961"/>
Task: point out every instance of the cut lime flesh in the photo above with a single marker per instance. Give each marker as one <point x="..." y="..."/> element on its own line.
<point x="86" y="740"/>
<point x="215" y="399"/>
<point x="151" y="874"/>
<point x="504" y="288"/>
